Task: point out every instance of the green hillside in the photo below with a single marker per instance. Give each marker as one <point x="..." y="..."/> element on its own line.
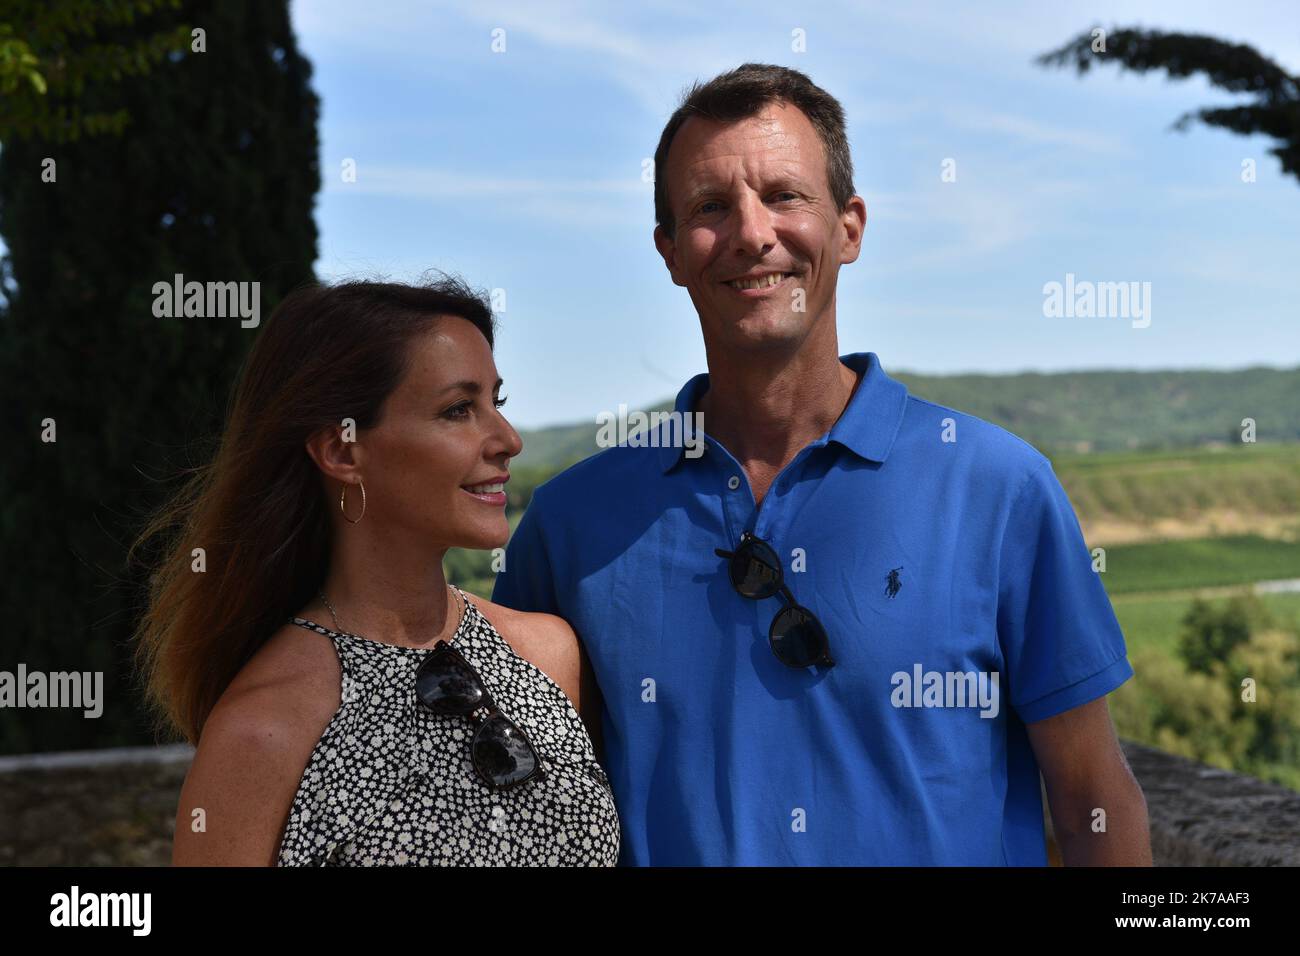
<point x="1062" y="412"/>
<point x="1098" y="411"/>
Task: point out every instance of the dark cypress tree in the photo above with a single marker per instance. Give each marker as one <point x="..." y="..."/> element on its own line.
<point x="214" y="177"/>
<point x="1235" y="67"/>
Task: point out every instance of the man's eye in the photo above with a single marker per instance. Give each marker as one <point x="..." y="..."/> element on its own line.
<point x="499" y="402"/>
<point x="704" y="207"/>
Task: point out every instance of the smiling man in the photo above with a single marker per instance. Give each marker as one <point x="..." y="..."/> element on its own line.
<point x="857" y="627"/>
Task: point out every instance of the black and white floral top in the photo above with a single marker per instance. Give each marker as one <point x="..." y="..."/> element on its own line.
<point x="390" y="783"/>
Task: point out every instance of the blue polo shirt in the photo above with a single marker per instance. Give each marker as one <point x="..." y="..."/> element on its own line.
<point x="948" y="568"/>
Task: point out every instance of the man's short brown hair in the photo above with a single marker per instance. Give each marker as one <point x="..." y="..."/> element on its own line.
<point x="744" y="92"/>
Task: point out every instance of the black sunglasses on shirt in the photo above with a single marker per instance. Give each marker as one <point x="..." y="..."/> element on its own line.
<point x="797" y="637"/>
<point x="502" y="754"/>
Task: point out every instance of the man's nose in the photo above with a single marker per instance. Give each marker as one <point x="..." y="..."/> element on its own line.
<point x="753" y="234"/>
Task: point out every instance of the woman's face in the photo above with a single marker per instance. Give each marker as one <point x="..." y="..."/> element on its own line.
<point x="436" y="461"/>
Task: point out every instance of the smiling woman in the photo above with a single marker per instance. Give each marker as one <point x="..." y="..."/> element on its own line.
<point x="331" y="744"/>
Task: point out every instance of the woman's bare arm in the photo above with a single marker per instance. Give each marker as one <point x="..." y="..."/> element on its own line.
<point x="250" y="758"/>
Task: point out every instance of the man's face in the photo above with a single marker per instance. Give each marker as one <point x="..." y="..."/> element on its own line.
<point x="751" y="199"/>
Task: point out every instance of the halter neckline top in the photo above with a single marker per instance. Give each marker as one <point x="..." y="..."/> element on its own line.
<point x="390" y="782"/>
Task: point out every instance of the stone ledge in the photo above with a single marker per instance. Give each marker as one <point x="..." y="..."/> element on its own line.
<point x="114" y="807"/>
<point x="1205" y="816"/>
<point x="115" y="756"/>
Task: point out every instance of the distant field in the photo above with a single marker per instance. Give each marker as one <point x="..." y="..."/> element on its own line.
<point x="1121" y="497"/>
<point x="1199" y="563"/>
<point x="1151" y="585"/>
<point x="1156" y="622"/>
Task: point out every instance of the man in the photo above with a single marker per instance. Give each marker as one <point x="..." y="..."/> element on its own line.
<point x="917" y="630"/>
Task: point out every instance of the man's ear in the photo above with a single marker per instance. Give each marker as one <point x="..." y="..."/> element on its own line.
<point x="668" y="249"/>
<point x="337" y="455"/>
<point x="854" y="223"/>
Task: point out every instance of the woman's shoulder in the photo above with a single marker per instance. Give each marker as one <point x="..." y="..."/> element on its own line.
<point x="544" y="640"/>
<point x="529" y="624"/>
<point x="254" y="746"/>
<point x="284" y="695"/>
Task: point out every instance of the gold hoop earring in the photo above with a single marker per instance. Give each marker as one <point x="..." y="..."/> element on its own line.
<point x="343" y="497"/>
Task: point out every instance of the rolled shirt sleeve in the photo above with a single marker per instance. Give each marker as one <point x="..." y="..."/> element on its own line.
<point x="1060" y="639"/>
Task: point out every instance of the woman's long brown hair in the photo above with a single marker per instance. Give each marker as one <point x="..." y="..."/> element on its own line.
<point x="259" y="508"/>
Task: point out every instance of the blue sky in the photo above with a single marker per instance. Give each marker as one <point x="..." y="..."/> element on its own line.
<point x="522" y="171"/>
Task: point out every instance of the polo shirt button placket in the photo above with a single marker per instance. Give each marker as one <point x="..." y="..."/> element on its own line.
<point x="733" y="482"/>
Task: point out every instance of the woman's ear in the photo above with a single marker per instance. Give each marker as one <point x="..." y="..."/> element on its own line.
<point x="336" y="452"/>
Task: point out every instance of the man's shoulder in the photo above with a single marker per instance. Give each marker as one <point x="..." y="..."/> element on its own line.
<point x="610" y="468"/>
<point x="991" y="450"/>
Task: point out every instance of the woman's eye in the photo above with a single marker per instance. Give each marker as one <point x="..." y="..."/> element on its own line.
<point x="463" y="409"/>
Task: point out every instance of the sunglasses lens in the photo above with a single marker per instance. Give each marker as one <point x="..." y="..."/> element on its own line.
<point x="797" y="637"/>
<point x="447" y="686"/>
<point x="756" y="570"/>
<point x="502" y="754"/>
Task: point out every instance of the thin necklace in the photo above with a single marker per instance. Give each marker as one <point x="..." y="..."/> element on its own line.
<point x="460" y="603"/>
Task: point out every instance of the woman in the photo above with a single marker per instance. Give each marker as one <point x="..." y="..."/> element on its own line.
<point x="348" y="706"/>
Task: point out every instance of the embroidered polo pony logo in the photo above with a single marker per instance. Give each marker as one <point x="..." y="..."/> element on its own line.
<point x="893" y="585"/>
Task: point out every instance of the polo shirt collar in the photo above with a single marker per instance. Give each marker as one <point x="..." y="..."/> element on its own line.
<point x="867" y="427"/>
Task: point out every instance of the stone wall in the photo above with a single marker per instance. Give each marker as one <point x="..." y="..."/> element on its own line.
<point x="118" y="807"/>
<point x="1204" y="816"/>
<point x="91" y="808"/>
